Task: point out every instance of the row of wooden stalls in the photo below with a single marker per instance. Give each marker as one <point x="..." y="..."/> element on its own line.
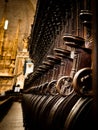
<point x="60" y="94"/>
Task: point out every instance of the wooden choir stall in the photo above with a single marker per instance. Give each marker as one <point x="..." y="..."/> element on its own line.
<point x="60" y="94"/>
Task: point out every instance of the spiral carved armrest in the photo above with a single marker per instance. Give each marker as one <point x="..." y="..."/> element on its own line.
<point x="82" y="82"/>
<point x="64" y="85"/>
<point x="51" y="87"/>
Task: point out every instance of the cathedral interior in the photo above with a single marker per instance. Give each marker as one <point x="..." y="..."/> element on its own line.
<point x="17" y="18"/>
<point x="48" y="64"/>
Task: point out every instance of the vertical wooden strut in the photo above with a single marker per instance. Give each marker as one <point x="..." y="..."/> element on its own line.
<point x="76" y="55"/>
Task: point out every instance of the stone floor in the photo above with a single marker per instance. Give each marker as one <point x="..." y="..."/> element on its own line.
<point x="14" y="119"/>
